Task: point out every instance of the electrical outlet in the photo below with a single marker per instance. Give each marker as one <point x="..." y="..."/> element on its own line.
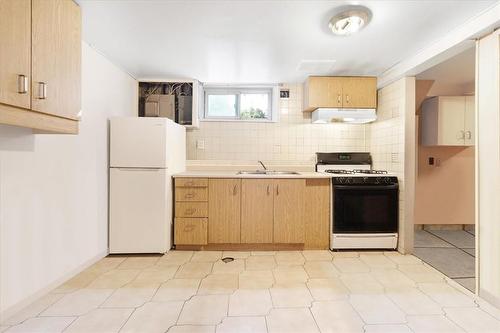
<point x="200" y="144"/>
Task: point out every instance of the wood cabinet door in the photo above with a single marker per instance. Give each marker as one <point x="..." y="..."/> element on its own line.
<point x="224" y="201"/>
<point x="324" y="91"/>
<point x="317" y="220"/>
<point x="289" y="223"/>
<point x="470" y="120"/>
<point x="56" y="58"/>
<point x="257" y="211"/>
<point x="15" y="52"/>
<point x="451" y="122"/>
<point x="359" y="92"/>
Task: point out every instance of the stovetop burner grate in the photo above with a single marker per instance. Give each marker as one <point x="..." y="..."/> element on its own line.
<point x="340" y="172"/>
<point x="370" y="172"/>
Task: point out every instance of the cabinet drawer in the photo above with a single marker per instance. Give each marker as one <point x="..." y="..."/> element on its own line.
<point x="191" y="209"/>
<point x="190" y="231"/>
<point x="191" y="194"/>
<point x="191" y="182"/>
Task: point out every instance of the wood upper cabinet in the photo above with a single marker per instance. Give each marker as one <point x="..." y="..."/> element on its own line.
<point x="323" y="91"/>
<point x="257" y="210"/>
<point x="340" y="92"/>
<point x="56" y="45"/>
<point x="40" y="64"/>
<point x="15" y="52"/>
<point x="289" y="211"/>
<point x="448" y="121"/>
<point x="224" y="210"/>
<point x="359" y="92"/>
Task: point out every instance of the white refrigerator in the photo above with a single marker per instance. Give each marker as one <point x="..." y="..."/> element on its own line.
<point x="144" y="153"/>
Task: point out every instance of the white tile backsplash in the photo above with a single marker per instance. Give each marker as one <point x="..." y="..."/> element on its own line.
<point x="291" y="140"/>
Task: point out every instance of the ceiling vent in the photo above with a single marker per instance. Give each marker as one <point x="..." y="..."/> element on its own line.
<point x="316" y="67"/>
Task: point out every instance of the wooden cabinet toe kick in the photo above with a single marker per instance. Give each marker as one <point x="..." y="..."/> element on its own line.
<point x="243" y="247"/>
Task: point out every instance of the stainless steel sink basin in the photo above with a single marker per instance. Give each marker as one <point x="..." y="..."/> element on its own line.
<point x="267" y="172"/>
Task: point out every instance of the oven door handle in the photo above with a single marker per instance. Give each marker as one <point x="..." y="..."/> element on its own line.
<point x="366" y="187"/>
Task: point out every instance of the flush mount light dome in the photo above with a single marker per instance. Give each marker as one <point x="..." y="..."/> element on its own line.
<point x="350" y="21"/>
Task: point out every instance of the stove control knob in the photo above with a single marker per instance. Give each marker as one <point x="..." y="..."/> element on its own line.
<point x="349" y="180"/>
<point x="340" y="180"/>
<point x="387" y="180"/>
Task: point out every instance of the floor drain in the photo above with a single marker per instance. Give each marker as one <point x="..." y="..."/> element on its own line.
<point x="227" y="259"/>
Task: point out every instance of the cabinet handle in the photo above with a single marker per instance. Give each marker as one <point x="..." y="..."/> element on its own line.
<point x="190" y="211"/>
<point x="189" y="228"/>
<point x="22" y="84"/>
<point x="268" y="192"/>
<point x="189" y="183"/>
<point x="234" y="189"/>
<point x="277" y="190"/>
<point x="42" y="90"/>
<point x="189" y="195"/>
<point x="347" y="99"/>
<point x="339" y="100"/>
<point x="469" y="135"/>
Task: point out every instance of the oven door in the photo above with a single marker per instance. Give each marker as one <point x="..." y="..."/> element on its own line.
<point x="365" y="209"/>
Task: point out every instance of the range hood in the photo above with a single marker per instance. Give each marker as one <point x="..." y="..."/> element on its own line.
<point x="351" y="116"/>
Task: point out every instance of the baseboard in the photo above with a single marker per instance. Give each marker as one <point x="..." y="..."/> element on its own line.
<point x="11" y="310"/>
<point x="468" y="227"/>
<point x="490" y="298"/>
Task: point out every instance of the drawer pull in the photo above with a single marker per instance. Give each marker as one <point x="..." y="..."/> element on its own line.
<point x="191" y="183"/>
<point x="189" y="228"/>
<point x="190" y="211"/>
<point x="189" y="195"/>
<point x="234" y="190"/>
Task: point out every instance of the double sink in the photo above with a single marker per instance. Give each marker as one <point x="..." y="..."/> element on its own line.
<point x="267" y="172"/>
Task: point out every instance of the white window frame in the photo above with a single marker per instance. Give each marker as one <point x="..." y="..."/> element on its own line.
<point x="215" y="89"/>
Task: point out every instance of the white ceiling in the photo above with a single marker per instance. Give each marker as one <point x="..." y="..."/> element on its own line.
<point x="262" y="40"/>
<point x="454" y="76"/>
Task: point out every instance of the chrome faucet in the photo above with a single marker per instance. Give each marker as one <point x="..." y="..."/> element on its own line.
<point x="262" y="165"/>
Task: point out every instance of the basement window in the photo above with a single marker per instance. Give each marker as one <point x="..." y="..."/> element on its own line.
<point x="238" y="103"/>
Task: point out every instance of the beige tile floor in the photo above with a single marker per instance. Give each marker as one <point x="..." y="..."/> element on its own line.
<point x="290" y="291"/>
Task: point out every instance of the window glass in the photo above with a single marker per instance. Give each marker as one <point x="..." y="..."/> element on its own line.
<point x="254" y="106"/>
<point x="222" y="106"/>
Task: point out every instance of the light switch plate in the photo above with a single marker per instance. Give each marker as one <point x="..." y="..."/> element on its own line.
<point x="200" y="144"/>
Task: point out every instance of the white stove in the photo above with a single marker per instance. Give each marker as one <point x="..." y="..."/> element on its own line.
<point x="364" y="202"/>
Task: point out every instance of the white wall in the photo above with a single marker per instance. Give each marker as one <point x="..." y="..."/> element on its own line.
<point x="53" y="189"/>
<point x="488" y="166"/>
<point x="391" y="141"/>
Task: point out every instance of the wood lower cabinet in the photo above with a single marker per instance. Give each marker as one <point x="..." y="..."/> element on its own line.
<point x="257" y="210"/>
<point x="15" y="52"/>
<point x="317" y="213"/>
<point x="224" y="211"/>
<point x="289" y="211"/>
<point x="191" y="231"/>
<point x="234" y="213"/>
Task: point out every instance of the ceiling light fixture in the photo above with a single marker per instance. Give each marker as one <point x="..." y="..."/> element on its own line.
<point x="350" y="21"/>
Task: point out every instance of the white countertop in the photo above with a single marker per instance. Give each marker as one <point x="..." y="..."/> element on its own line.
<point x="234" y="174"/>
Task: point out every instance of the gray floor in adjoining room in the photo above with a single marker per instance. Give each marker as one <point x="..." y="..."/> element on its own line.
<point x="450" y="251"/>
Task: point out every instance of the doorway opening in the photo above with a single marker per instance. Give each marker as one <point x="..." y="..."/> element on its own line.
<point x="444" y="197"/>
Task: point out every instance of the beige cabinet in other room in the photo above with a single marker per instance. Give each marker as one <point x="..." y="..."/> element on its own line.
<point x="448" y="121"/>
<point x="224" y="211"/>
